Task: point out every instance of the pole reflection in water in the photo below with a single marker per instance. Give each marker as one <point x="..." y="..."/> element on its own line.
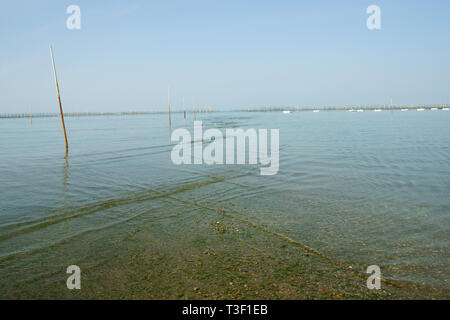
<point x="65" y="179"/>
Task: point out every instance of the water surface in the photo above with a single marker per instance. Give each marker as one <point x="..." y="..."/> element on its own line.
<point x="356" y="189"/>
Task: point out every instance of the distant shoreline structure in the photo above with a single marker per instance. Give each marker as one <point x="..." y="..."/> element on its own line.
<point x="91" y="114"/>
<point x="376" y="108"/>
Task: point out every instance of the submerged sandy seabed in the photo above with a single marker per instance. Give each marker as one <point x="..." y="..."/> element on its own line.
<point x="215" y="257"/>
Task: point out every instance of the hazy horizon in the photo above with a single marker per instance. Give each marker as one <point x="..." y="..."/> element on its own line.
<point x="224" y="55"/>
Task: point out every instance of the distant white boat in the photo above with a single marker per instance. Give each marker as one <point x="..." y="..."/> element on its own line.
<point x="287" y="111"/>
<point x="351" y="110"/>
<point x="360" y="110"/>
<point x="404" y="109"/>
<point x="421" y="109"/>
<point x="434" y="109"/>
<point x="377" y="110"/>
<point x="445" y="109"/>
<point x="316" y="110"/>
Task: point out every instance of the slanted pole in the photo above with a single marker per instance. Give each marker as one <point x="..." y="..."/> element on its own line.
<point x="59" y="99"/>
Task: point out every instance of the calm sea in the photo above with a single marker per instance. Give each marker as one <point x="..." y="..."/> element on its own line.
<point x="362" y="189"/>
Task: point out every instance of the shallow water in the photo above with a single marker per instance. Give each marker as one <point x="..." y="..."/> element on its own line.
<point x="355" y="188"/>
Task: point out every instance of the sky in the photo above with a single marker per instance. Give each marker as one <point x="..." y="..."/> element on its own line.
<point x="223" y="54"/>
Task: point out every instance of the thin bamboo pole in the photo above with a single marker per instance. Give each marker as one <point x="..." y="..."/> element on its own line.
<point x="170" y="121"/>
<point x="168" y="96"/>
<point x="184" y="108"/>
<point x="59" y="99"/>
<point x="193" y="108"/>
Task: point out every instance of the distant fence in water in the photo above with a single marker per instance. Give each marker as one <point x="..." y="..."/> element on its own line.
<point x="253" y="109"/>
<point x="344" y="108"/>
<point x="90" y="114"/>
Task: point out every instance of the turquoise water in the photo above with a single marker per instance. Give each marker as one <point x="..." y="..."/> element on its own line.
<point x="359" y="188"/>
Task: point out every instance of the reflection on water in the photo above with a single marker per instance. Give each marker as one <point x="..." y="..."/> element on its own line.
<point x="353" y="189"/>
<point x="65" y="178"/>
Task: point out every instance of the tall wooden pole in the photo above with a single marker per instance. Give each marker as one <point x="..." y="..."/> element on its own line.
<point x="170" y="121"/>
<point x="168" y="98"/>
<point x="59" y="99"/>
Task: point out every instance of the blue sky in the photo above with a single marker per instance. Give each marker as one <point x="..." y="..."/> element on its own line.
<point x="224" y="54"/>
